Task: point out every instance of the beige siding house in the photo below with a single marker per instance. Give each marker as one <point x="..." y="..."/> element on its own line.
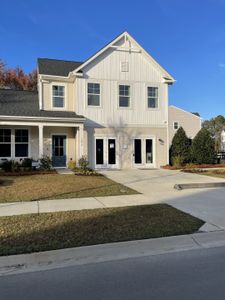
<point x="113" y="108"/>
<point x="190" y="122"/>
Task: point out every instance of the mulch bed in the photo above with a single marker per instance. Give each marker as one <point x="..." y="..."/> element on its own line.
<point x="27" y="173"/>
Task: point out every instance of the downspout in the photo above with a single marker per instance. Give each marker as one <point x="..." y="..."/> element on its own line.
<point x="40" y="93"/>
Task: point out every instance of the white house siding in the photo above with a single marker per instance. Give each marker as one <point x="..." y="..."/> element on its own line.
<point x="190" y="122"/>
<point x="124" y="144"/>
<point x="106" y="70"/>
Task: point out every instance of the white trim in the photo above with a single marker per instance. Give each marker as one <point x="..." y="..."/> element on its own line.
<point x="131" y="104"/>
<point x="64" y="107"/>
<point x="13" y="143"/>
<point x="106" y="164"/>
<point x="147" y="85"/>
<point x="143" y="139"/>
<point x="50" y="119"/>
<point x="126" y="35"/>
<point x="100" y="95"/>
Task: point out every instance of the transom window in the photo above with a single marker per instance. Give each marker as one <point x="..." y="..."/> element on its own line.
<point x="93" y="94"/>
<point x="5" y="142"/>
<point x="152" y="97"/>
<point x="58" y="96"/>
<point x="175" y="125"/>
<point x="124" y="96"/>
<point x="21" y="142"/>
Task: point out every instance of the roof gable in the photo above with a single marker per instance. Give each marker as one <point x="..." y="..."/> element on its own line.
<point x="131" y="45"/>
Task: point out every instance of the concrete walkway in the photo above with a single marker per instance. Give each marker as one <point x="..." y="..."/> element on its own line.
<point x="15" y="264"/>
<point x="158" y="187"/>
<point x="44" y="206"/>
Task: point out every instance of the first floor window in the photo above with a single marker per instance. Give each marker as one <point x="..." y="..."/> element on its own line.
<point x="124" y="96"/>
<point x="152" y="97"/>
<point x="93" y="94"/>
<point x="21" y="142"/>
<point x="5" y="142"/>
<point x="58" y="94"/>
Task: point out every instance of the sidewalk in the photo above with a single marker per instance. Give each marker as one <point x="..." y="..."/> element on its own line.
<point x="44" y="206"/>
<point x="108" y="252"/>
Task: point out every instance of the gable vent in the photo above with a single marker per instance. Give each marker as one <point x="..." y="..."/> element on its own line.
<point x="124" y="66"/>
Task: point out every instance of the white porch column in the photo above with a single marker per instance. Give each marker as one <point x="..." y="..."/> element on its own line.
<point x="41" y="141"/>
<point x="79" y="142"/>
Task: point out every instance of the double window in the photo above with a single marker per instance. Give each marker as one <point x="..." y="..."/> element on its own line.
<point x="175" y="125"/>
<point x="58" y="96"/>
<point x="124" y="95"/>
<point x="20" y="144"/>
<point x="5" y="142"/>
<point x="93" y="94"/>
<point x="152" y="97"/>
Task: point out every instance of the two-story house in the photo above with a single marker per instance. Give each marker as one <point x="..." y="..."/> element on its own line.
<point x="113" y="107"/>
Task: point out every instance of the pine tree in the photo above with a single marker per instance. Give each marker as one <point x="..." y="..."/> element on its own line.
<point x="203" y="148"/>
<point x="180" y="148"/>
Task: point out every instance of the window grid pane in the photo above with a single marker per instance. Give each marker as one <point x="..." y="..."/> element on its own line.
<point x="152" y="97"/>
<point x="124" y="95"/>
<point x="5" y="135"/>
<point x="58" y="93"/>
<point x="93" y="94"/>
<point x="21" y="142"/>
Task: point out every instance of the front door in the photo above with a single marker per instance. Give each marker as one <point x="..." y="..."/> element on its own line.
<point x="59" y="151"/>
<point x="143" y="152"/>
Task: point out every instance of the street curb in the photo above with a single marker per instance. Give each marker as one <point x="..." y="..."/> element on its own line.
<point x="15" y="264"/>
<point x="198" y="185"/>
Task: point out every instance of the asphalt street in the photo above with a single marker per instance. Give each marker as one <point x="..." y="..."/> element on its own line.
<point x="196" y="274"/>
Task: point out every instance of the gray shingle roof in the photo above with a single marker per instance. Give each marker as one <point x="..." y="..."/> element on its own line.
<point x="56" y="67"/>
<point x="25" y="103"/>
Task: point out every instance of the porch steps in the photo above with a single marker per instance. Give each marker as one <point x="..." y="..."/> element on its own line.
<point x="64" y="171"/>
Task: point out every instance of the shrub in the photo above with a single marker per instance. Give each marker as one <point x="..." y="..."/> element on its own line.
<point x="27" y="163"/>
<point x="11" y="166"/>
<point x="203" y="148"/>
<point x="72" y="164"/>
<point x="180" y="147"/>
<point x="83" y="163"/>
<point x="177" y="161"/>
<point x="45" y="163"/>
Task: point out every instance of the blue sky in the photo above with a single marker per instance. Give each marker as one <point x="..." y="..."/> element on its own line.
<point x="185" y="37"/>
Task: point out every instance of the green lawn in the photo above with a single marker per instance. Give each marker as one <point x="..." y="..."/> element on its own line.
<point x="33" y="233"/>
<point x="55" y="186"/>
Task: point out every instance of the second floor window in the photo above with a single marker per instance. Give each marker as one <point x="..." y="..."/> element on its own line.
<point x="152" y="97"/>
<point x="124" y="96"/>
<point x="175" y="125"/>
<point x="93" y="94"/>
<point x="58" y="96"/>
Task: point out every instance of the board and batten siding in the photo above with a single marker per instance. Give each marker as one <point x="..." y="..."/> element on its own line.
<point x="106" y="70"/>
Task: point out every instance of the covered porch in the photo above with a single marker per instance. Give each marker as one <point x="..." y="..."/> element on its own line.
<point x="61" y="141"/>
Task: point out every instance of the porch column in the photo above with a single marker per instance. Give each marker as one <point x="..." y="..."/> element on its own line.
<point x="79" y="142"/>
<point x="40" y="141"/>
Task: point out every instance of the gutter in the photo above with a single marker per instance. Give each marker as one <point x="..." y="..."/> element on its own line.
<point x="43" y="119"/>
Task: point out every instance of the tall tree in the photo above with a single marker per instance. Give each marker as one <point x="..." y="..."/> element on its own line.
<point x="17" y="79"/>
<point x="180" y="147"/>
<point x="203" y="148"/>
<point x="215" y="127"/>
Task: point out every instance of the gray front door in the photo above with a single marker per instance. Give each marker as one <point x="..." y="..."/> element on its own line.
<point x="59" y="151"/>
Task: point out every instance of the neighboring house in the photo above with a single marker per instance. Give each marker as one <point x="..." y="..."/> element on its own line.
<point x="113" y="107"/>
<point x="190" y="122"/>
<point x="223" y="140"/>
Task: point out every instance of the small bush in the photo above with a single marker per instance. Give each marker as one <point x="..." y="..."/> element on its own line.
<point x="72" y="164"/>
<point x="83" y="163"/>
<point x="177" y="161"/>
<point x="27" y="163"/>
<point x="11" y="166"/>
<point x="45" y="163"/>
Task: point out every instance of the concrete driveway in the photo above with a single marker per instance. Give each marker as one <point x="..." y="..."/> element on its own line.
<point x="157" y="185"/>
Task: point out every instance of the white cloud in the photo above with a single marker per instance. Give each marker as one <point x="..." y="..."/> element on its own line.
<point x="221" y="65"/>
